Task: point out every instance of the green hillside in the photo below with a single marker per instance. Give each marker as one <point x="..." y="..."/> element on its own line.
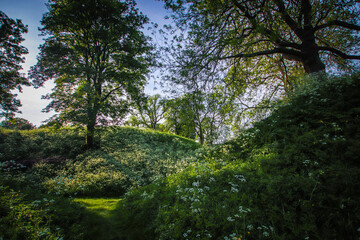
<point x="293" y="175"/>
<point x="53" y="165"/>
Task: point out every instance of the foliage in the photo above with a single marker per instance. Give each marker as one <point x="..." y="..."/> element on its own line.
<point x="179" y="118"/>
<point x="198" y="115"/>
<point x="98" y="57"/>
<point x="259" y="49"/>
<point x="149" y="114"/>
<point x="17" y="123"/>
<point x="294" y="175"/>
<point x="10" y="59"/>
<point x="309" y="32"/>
<point x="30" y="146"/>
<point x="131" y="158"/>
<point x="25" y="220"/>
<point x="29" y="214"/>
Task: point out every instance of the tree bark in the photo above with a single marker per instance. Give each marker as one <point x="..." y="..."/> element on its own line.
<point x="311" y="58"/>
<point x="312" y="63"/>
<point x="201" y="136"/>
<point x="90" y="131"/>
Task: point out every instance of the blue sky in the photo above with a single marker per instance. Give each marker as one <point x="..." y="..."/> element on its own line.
<point x="30" y="12"/>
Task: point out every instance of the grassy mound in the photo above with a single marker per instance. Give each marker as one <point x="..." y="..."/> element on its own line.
<point x="294" y="175"/>
<point x="42" y="170"/>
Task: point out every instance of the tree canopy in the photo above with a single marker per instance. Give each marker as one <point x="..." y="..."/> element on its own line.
<point x="98" y="57"/>
<point x="259" y="49"/>
<point x="11" y="57"/>
<point x="17" y="123"/>
<point x="200" y="115"/>
<point x="149" y="113"/>
<point x="313" y="33"/>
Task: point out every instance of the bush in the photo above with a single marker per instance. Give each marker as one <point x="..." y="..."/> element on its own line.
<point x="17" y="123"/>
<point x="21" y="220"/>
<point x="33" y="145"/>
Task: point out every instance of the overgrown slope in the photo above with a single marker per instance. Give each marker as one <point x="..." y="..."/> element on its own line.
<point x="43" y="170"/>
<point x="294" y="175"/>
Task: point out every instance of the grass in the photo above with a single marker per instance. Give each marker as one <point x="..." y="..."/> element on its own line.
<point x="101" y="206"/>
<point x="101" y="221"/>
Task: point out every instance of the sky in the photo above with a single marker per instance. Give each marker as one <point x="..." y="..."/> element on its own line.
<point x="30" y="12"/>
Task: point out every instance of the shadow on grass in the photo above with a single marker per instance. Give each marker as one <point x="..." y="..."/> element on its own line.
<point x="101" y="223"/>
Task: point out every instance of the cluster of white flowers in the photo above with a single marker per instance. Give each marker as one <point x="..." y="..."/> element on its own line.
<point x="189" y="234"/>
<point x="266" y="230"/>
<point x="241" y="178"/>
<point x="244" y="210"/>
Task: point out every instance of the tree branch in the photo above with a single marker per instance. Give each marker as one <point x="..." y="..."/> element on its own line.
<point x="266" y="52"/>
<point x="306" y="12"/>
<point x="338" y="52"/>
<point x="109" y="93"/>
<point x="338" y="23"/>
<point x="289" y="21"/>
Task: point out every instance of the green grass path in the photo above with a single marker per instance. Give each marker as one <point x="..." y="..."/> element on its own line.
<point x="101" y="217"/>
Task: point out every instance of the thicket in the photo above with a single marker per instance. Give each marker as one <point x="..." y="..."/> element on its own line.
<point x="294" y="175"/>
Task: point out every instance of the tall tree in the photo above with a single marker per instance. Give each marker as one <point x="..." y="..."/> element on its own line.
<point x="179" y="117"/>
<point x="10" y="63"/>
<point x="97" y="55"/>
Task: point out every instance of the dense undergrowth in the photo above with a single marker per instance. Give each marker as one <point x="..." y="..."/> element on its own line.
<point x="53" y="165"/>
<point x="294" y="175"/>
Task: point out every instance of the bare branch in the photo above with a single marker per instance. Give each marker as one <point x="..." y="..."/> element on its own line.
<point x="109" y="93"/>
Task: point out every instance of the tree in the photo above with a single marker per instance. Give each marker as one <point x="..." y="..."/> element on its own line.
<point x="199" y="115"/>
<point x="98" y="58"/>
<point x="10" y="59"/>
<point x="17" y="123"/>
<point x="150" y="113"/>
<point x="314" y="33"/>
<point x="179" y="117"/>
<point x="262" y="47"/>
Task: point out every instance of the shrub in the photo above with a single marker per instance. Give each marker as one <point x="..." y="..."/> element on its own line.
<point x="37" y="144"/>
<point x="22" y="220"/>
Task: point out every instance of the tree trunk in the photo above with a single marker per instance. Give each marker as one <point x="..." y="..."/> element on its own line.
<point x="90" y="131"/>
<point x="311" y="59"/>
<point x="201" y="136"/>
<point x="312" y="63"/>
